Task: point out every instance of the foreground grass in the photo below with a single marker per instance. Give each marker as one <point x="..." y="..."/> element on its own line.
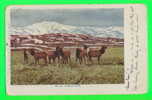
<point x="109" y="71"/>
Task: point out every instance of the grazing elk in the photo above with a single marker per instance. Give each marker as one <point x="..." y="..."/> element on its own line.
<point x="96" y="53"/>
<point x="38" y="55"/>
<point x="81" y="54"/>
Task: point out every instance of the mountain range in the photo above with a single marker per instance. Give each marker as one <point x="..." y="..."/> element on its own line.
<point x="47" y="27"/>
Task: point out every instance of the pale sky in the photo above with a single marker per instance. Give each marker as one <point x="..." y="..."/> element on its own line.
<point x="77" y="17"/>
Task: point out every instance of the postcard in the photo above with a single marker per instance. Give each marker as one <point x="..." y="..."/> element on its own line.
<point x="76" y="49"/>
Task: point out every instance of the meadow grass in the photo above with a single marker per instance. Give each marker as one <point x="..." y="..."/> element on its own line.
<point x="109" y="71"/>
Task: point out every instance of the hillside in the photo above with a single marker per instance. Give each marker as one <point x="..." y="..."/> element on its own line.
<point x="62" y="39"/>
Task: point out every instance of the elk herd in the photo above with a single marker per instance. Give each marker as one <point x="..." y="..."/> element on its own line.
<point x="61" y="56"/>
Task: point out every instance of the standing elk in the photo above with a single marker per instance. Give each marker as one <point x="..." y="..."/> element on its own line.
<point x="38" y="55"/>
<point x="25" y="56"/>
<point x="65" y="54"/>
<point x="81" y="55"/>
<point x="52" y="55"/>
<point x="96" y="53"/>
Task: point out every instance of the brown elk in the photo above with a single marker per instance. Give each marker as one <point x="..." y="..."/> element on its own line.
<point x="65" y="54"/>
<point x="38" y="55"/>
<point x="52" y="55"/>
<point x="59" y="53"/>
<point x="13" y="43"/>
<point x="81" y="54"/>
<point x="25" y="56"/>
<point x="96" y="53"/>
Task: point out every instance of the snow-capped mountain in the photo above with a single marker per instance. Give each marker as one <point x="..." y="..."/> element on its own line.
<point x="54" y="27"/>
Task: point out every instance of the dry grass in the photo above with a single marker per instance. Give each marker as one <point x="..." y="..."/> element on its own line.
<point x="109" y="71"/>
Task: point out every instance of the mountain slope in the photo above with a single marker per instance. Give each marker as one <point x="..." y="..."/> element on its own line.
<point x="54" y="27"/>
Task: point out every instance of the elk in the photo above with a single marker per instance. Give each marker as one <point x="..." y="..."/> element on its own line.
<point x="81" y="54"/>
<point x="25" y="56"/>
<point x="65" y="54"/>
<point x="38" y="55"/>
<point x="96" y="53"/>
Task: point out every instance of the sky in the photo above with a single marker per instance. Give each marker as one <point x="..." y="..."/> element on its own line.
<point x="76" y="17"/>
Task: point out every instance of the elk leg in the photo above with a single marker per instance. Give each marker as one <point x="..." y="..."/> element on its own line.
<point x="85" y="60"/>
<point x="49" y="60"/>
<point x="45" y="59"/>
<point x="27" y="60"/>
<point x="99" y="60"/>
<point x="70" y="58"/>
<point x="38" y="61"/>
<point x="66" y="61"/>
<point x="35" y="60"/>
<point x="77" y="59"/>
<point x="58" y="59"/>
<point x="53" y="60"/>
<point x="80" y="60"/>
<point x="62" y="60"/>
<point x="90" y="59"/>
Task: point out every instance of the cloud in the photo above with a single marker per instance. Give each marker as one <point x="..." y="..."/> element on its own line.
<point x="77" y="17"/>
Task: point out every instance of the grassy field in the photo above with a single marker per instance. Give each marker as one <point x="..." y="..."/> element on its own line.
<point x="109" y="71"/>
